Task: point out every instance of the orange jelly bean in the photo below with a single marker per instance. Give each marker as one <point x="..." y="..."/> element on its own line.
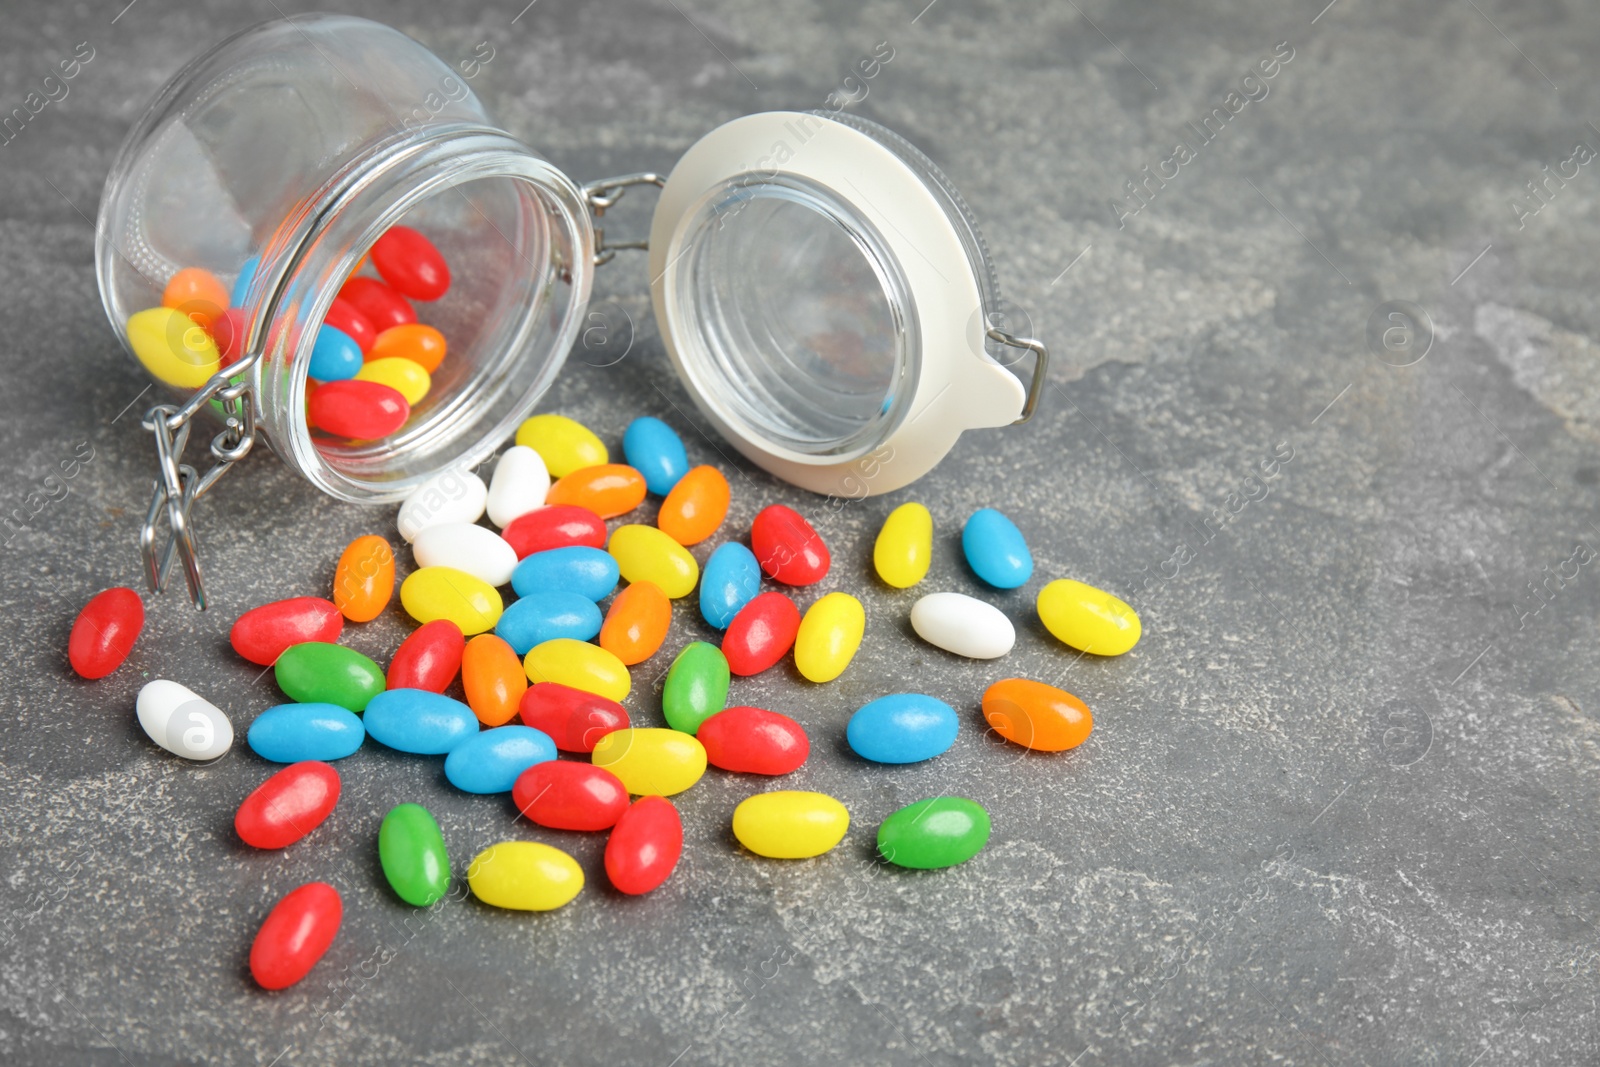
<point x="364" y="580"/>
<point x="492" y="675"/>
<point x="421" y="344"/>
<point x="198" y="294"/>
<point x="1037" y="716"/>
<point x="609" y="490"/>
<point x="637" y="623"/>
<point x="695" y="507"/>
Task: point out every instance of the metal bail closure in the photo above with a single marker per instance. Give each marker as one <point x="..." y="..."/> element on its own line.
<point x="1041" y="363"/>
<point x="605" y="193"/>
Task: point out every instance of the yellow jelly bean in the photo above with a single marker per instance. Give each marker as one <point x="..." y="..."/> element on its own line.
<point x="905" y="546"/>
<point x="431" y="593"/>
<point x="564" y="445"/>
<point x="651" y="762"/>
<point x="1088" y="619"/>
<point x="580" y="665"/>
<point x="524" y="876"/>
<point x="790" y="825"/>
<point x="173" y="347"/>
<point x="404" y="376"/>
<point x="645" y="554"/>
<point x="829" y="636"/>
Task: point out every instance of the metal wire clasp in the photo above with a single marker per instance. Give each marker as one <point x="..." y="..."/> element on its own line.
<point x="605" y="193"/>
<point x="1041" y="363"/>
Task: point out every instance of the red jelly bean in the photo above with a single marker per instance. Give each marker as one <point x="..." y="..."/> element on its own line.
<point x="787" y="548"/>
<point x="568" y="795"/>
<point x="573" y="718"/>
<point x="410" y="263"/>
<point x="261" y="634"/>
<point x="288" y="806"/>
<point x="343" y="315"/>
<point x="227" y="330"/>
<point x="295" y="935"/>
<point x="754" y="741"/>
<point x="104" y="632"/>
<point x="645" y="846"/>
<point x="429" y="659"/>
<point x="555" y="526"/>
<point x="382" y="306"/>
<point x="761" y="634"/>
<point x="358" y="409"/>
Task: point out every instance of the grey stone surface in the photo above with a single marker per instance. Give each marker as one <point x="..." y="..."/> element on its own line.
<point x="1338" y="807"/>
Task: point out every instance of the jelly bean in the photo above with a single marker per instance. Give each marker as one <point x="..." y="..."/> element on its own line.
<point x="295" y="935"/>
<point x="412" y="853"/>
<point x="589" y="572"/>
<point x="574" y="718"/>
<point x="542" y="617"/>
<point x="289" y="733"/>
<point x="466" y="547"/>
<point x="1036" y="715"/>
<point x="316" y="672"/>
<point x="196" y="293"/>
<point x="637" y="623"/>
<point x="524" y="876"/>
<point x="644" y="847"/>
<point x="608" y="490"/>
<point x="902" y="728"/>
<point x="790" y="825"/>
<point x="228" y="332"/>
<point x="564" y="445"/>
<point x="452" y="495"/>
<point x="555" y="526"/>
<point x="335" y="356"/>
<point x="696" y="506"/>
<point x="362" y="411"/>
<point x="363" y="581"/>
<point x="940" y="832"/>
<point x="651" y="761"/>
<point x="403" y="376"/>
<point x="446" y="593"/>
<point x="261" y="634"/>
<point x="904" y="548"/>
<point x="429" y="658"/>
<point x="996" y="550"/>
<point x="418" y="721"/>
<point x="829" y="636"/>
<point x="491" y="674"/>
<point x="652" y="448"/>
<point x="172" y="348"/>
<point x="645" y="554"/>
<point x="343" y="316"/>
<point x="696" y="686"/>
<point x="580" y="665"/>
<point x="287" y="806"/>
<point x="754" y="741"/>
<point x="104" y="632"/>
<point x="382" y="306"/>
<point x="489" y="762"/>
<point x="731" y="580"/>
<point x="787" y="548"/>
<point x="761" y="634"/>
<point x="1088" y="619"/>
<point x="519" y="485"/>
<point x="958" y="623"/>
<point x="238" y="296"/>
<point x="410" y="263"/>
<point x="422" y="345"/>
<point x="565" y="795"/>
<point x="182" y="722"/>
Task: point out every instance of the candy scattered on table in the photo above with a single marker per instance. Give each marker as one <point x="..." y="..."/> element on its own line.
<point x="288" y="806"/>
<point x="182" y="722"/>
<point x="295" y="935"/>
<point x="790" y="824"/>
<point x="104" y="633"/>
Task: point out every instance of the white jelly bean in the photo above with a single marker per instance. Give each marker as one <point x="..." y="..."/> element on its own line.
<point x="519" y="485"/>
<point x="477" y="550"/>
<point x="182" y="722"/>
<point x="452" y="495"/>
<point x="957" y="623"/>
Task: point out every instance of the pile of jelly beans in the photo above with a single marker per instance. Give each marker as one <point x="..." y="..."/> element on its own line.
<point x="540" y="713"/>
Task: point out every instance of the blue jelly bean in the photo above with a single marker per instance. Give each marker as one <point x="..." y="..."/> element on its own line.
<point x="730" y="580"/>
<point x="335" y="356"/>
<point x="654" y="450"/>
<point x="541" y="617"/>
<point x="491" y="761"/>
<point x="241" y="285"/>
<point x="589" y="572"/>
<point x="996" y="550"/>
<point x="419" y="721"/>
<point x="290" y="733"/>
<point x="902" y="728"/>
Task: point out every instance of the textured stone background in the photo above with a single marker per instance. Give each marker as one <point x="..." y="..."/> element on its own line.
<point x="1338" y="805"/>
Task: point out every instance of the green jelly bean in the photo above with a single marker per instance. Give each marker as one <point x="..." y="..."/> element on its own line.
<point x="697" y="687"/>
<point x="412" y="852"/>
<point x="316" y="672"/>
<point x="940" y="832"/>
